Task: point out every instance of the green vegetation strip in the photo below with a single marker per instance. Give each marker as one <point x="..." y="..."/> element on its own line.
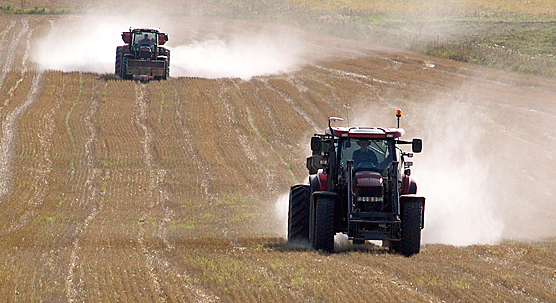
<point x="511" y="35"/>
<point x="8" y="9"/>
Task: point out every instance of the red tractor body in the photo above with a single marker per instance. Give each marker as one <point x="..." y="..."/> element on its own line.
<point x="360" y="184"/>
<point x="143" y="55"/>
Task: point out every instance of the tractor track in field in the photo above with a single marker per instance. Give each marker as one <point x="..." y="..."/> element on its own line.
<point x="9" y="133"/>
<point x="9" y="130"/>
<point x="41" y="173"/>
<point x="289" y="100"/>
<point x="5" y="44"/>
<point x="158" y="199"/>
<point x="8" y="64"/>
<point x="25" y="57"/>
<point x="88" y="200"/>
<point x="260" y="93"/>
<point x="9" y="58"/>
<point x="154" y="193"/>
<point x="202" y="178"/>
<point x="230" y="114"/>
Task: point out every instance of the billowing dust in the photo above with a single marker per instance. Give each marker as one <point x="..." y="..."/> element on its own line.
<point x="88" y="44"/>
<point x="485" y="169"/>
<point x="454" y="176"/>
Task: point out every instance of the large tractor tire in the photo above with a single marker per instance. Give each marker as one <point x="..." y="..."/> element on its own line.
<point x="410" y="242"/>
<point x="124" y="74"/>
<point x="322" y="231"/>
<point x="298" y="215"/>
<point x="166" y="70"/>
<point x="167" y="66"/>
<point x="119" y="61"/>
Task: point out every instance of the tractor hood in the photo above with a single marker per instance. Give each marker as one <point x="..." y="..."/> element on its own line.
<point x="368" y="179"/>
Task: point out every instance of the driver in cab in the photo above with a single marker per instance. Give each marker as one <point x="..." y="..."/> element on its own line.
<point x="145" y="40"/>
<point x="364" y="155"/>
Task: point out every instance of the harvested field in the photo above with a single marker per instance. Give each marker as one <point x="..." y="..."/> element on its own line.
<point x="118" y="191"/>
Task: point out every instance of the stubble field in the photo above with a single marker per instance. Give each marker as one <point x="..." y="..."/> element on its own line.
<point x="119" y="191"/>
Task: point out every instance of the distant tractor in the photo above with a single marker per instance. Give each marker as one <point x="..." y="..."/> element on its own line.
<point x="143" y="56"/>
<point x="360" y="184"/>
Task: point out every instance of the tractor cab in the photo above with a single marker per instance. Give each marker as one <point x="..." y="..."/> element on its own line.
<point x="144" y="39"/>
<point x="370" y="149"/>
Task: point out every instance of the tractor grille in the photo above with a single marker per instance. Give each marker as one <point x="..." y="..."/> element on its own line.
<point x="369" y="191"/>
<point x="146" y="63"/>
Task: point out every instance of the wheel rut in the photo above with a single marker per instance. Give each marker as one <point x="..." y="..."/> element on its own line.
<point x="158" y="210"/>
<point x="89" y="198"/>
<point x="11" y="50"/>
<point x="9" y="130"/>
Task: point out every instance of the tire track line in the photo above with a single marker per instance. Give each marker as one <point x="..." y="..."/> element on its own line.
<point x="24" y="63"/>
<point x="230" y="114"/>
<point x="11" y="51"/>
<point x="203" y="175"/>
<point x="291" y="103"/>
<point x="9" y="130"/>
<point x="159" y="198"/>
<point x="3" y="35"/>
<point x="3" y="44"/>
<point x="9" y="125"/>
<point x="260" y="136"/>
<point x="89" y="197"/>
<point x="354" y="78"/>
<point x="154" y="176"/>
<point x="25" y="57"/>
<point x="46" y="128"/>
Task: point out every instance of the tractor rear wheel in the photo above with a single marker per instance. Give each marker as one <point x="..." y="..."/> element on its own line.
<point x="410" y="242"/>
<point x="298" y="215"/>
<point x="322" y="232"/>
<point x="119" y="61"/>
<point x="167" y="73"/>
<point x="123" y="73"/>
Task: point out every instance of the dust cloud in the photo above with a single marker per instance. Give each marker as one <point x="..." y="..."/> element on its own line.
<point x="454" y="177"/>
<point x="88" y="44"/>
<point x="467" y="171"/>
<point x="451" y="172"/>
<point x="242" y="57"/>
<point x="485" y="169"/>
<point x="281" y="208"/>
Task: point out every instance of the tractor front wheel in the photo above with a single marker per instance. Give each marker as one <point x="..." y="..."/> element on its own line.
<point x="119" y="61"/>
<point x="410" y="242"/>
<point x="124" y="74"/>
<point x="298" y="215"/>
<point x="322" y="232"/>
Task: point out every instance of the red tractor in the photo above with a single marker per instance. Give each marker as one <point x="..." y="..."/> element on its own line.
<point x="143" y="55"/>
<point x="360" y="184"/>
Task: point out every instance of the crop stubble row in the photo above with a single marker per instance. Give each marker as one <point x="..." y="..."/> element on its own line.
<point x="145" y="192"/>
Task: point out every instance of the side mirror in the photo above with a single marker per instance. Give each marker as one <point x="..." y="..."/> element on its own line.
<point x="417" y="145"/>
<point x="314" y="163"/>
<point x="316" y="144"/>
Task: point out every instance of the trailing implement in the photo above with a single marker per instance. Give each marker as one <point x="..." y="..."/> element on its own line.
<point x="143" y="55"/>
<point x="360" y="184"/>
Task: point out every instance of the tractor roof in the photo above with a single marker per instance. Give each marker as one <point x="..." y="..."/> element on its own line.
<point x="144" y="29"/>
<point x="366" y="132"/>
